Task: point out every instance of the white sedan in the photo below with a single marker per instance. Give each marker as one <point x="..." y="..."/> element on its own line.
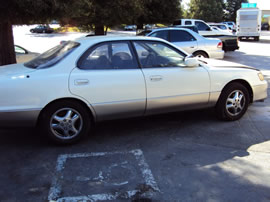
<point x="191" y="42"/>
<point x="70" y="87"/>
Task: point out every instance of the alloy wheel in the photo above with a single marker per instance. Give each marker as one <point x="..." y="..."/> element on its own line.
<point x="66" y="123"/>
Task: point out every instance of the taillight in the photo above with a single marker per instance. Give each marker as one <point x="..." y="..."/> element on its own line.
<point x="219" y="45"/>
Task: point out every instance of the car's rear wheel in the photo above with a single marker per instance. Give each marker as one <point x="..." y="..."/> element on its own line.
<point x="233" y="102"/>
<point x="200" y="54"/>
<point x="65" y="122"/>
<point x="256" y="38"/>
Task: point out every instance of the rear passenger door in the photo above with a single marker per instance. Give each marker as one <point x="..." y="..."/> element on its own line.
<point x="183" y="40"/>
<point x="109" y="78"/>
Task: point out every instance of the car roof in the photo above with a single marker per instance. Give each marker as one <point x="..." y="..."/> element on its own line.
<point x="213" y="23"/>
<point x="99" y="39"/>
<point x="171" y="28"/>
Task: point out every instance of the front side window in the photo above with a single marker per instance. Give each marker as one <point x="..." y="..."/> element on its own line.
<point x="52" y="56"/>
<point x="111" y="55"/>
<point x="202" y="26"/>
<point x="161" y="34"/>
<point x="180" y="36"/>
<point x="158" y="54"/>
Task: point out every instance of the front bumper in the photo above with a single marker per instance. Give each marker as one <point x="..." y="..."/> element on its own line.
<point x="19" y="118"/>
<point x="260" y="92"/>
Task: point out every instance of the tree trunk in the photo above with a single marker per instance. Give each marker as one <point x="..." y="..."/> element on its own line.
<point x="7" y="52"/>
<point x="99" y="30"/>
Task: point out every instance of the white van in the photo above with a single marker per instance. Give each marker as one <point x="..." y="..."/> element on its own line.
<point x="248" y="23"/>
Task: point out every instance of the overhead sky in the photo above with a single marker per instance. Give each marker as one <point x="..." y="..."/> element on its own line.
<point x="262" y="4"/>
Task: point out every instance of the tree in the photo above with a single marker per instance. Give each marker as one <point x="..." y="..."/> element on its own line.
<point x="231" y="7"/>
<point x="107" y="13"/>
<point x="159" y="11"/>
<point x="207" y="10"/>
<point x="14" y="12"/>
<point x="93" y="13"/>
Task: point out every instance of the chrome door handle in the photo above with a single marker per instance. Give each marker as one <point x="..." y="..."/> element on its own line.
<point x="155" y="78"/>
<point x="81" y="81"/>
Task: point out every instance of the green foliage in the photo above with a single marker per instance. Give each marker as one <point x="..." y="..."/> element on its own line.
<point x="207" y="10"/>
<point x="28" y="11"/>
<point x="231" y="7"/>
<point x="115" y="12"/>
<point x="158" y="11"/>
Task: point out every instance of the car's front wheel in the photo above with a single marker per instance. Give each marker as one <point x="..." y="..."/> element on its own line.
<point x="65" y="122"/>
<point x="233" y="102"/>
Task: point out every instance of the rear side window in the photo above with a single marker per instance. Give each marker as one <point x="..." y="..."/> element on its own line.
<point x="109" y="55"/>
<point x="180" y="36"/>
<point x="161" y="34"/>
<point x="188" y="23"/>
<point x="52" y="56"/>
<point x="201" y="26"/>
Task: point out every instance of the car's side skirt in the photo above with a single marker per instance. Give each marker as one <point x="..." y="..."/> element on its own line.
<point x="19" y="118"/>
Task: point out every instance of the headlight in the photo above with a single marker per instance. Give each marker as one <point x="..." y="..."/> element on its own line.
<point x="261" y="77"/>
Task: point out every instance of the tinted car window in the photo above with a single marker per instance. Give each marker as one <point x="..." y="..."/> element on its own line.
<point x="180" y="35"/>
<point x="157" y="54"/>
<point x="52" y="56"/>
<point x="201" y="26"/>
<point x="111" y="55"/>
<point x="160" y="34"/>
<point x="188" y="23"/>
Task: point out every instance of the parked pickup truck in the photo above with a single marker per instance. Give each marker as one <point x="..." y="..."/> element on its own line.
<point x="230" y="42"/>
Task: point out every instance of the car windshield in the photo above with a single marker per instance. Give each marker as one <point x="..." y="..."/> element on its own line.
<point x="52" y="56"/>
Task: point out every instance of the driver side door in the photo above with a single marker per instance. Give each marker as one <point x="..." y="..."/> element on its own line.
<point x="170" y="84"/>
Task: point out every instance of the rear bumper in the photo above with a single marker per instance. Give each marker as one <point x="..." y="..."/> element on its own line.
<point x="19" y="118"/>
<point x="249" y="34"/>
<point x="260" y="92"/>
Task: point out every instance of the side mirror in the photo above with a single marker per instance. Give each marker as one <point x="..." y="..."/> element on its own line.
<point x="191" y="62"/>
<point x="208" y="29"/>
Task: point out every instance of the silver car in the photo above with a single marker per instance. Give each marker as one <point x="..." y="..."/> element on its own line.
<point x="191" y="42"/>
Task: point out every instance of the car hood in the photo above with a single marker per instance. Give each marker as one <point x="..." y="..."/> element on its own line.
<point x="14" y="70"/>
<point x="224" y="64"/>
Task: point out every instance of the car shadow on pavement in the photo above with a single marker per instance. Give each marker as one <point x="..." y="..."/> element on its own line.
<point x="192" y="155"/>
<point x="257" y="61"/>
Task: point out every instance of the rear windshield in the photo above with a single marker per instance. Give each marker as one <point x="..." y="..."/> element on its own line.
<point x="52" y="56"/>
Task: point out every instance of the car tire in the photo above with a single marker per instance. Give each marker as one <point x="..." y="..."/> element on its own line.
<point x="31" y="30"/>
<point x="256" y="38"/>
<point x="65" y="122"/>
<point x="233" y="102"/>
<point x="200" y="54"/>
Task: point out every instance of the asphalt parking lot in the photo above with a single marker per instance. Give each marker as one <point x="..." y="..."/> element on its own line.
<point x="187" y="156"/>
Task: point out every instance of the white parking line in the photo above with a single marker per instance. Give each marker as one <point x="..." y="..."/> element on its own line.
<point x="56" y="189"/>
